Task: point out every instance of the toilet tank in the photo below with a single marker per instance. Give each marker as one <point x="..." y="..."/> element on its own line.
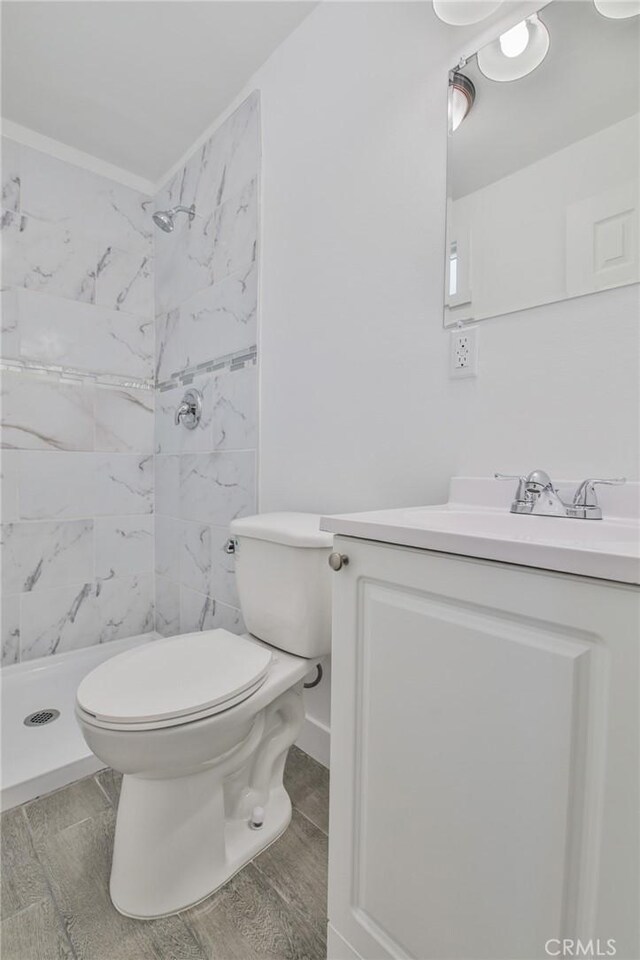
<point x="284" y="580"/>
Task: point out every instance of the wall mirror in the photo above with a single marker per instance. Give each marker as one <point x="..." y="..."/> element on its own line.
<point x="542" y="184"/>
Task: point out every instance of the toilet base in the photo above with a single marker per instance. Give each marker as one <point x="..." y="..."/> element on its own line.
<point x="179" y="839"/>
<point x="242" y="843"/>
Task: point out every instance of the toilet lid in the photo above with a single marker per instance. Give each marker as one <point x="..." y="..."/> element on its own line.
<point x="183" y="675"/>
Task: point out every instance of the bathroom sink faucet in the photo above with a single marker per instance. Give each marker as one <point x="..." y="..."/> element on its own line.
<point x="537" y="496"/>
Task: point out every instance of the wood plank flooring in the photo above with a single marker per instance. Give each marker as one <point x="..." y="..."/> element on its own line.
<point x="56" y="860"/>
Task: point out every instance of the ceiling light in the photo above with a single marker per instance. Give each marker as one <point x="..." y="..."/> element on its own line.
<point x="462" y="93"/>
<point x="459" y="13"/>
<point x="514" y="41"/>
<point x="517" y="52"/>
<point x="618" y="9"/>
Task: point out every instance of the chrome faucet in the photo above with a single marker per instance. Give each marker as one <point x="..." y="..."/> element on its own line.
<point x="537" y="496"/>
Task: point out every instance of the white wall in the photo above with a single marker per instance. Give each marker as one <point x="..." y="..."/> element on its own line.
<point x="357" y="410"/>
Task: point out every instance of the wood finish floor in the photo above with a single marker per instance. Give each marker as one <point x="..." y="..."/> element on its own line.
<point x="56" y="859"/>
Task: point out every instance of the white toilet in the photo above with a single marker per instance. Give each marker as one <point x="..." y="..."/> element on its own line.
<point x="200" y="724"/>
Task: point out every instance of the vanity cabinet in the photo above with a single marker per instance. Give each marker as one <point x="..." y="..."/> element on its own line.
<point x="484" y="759"/>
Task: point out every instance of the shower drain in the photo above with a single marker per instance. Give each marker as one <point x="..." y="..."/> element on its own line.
<point x="40" y="717"/>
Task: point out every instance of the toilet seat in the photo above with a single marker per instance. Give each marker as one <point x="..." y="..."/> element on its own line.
<point x="173" y="681"/>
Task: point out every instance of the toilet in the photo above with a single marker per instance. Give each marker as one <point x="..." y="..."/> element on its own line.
<point x="200" y="724"/>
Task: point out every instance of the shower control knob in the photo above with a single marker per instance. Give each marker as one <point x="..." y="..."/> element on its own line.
<point x="189" y="411"/>
<point x="338" y="560"/>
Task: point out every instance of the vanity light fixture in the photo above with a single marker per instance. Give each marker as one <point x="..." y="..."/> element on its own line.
<point x="618" y="9"/>
<point x="516" y="52"/>
<point x="460" y="13"/>
<point x="462" y="94"/>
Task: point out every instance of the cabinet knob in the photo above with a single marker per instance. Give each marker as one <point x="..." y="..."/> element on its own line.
<point x="338" y="560"/>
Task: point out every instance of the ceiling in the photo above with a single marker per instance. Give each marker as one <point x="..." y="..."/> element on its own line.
<point x="134" y="83"/>
<point x="587" y="81"/>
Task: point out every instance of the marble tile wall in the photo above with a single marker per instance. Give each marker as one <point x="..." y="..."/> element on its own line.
<point x="206" y="313"/>
<point x="77" y="431"/>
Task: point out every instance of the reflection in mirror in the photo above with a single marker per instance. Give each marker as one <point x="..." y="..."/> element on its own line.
<point x="542" y="198"/>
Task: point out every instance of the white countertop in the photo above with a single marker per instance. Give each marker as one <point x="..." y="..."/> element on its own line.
<point x="476" y="522"/>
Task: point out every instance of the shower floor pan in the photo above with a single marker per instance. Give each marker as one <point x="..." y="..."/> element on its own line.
<point x="49" y="752"/>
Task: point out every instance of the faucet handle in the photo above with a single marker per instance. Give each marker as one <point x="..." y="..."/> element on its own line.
<point x="585" y="495"/>
<point x="189" y="410"/>
<point x="182" y="410"/>
<point x="522" y="483"/>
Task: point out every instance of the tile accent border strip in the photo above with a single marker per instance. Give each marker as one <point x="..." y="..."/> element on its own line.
<point x="72" y="375"/>
<point x="234" y="361"/>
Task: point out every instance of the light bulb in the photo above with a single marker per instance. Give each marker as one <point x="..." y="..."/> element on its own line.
<point x="462" y="95"/>
<point x="509" y="58"/>
<point x="458" y="109"/>
<point x="515" y="41"/>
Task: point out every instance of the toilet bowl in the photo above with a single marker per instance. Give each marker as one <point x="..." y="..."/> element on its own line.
<point x="200" y="724"/>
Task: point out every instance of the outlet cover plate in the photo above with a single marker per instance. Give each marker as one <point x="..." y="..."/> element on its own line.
<point x="463" y="355"/>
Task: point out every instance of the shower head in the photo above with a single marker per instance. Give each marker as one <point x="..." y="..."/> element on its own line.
<point x="165" y="218"/>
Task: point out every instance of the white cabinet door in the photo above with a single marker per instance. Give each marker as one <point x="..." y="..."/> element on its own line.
<point x="484" y="758"/>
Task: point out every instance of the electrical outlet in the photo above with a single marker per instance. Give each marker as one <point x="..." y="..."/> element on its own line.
<point x="463" y="361"/>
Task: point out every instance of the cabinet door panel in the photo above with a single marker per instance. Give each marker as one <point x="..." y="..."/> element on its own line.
<point x="472" y="716"/>
<point x="468" y="764"/>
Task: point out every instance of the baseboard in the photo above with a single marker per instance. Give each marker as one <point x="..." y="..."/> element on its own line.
<point x="315" y="739"/>
<point x="338" y="948"/>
